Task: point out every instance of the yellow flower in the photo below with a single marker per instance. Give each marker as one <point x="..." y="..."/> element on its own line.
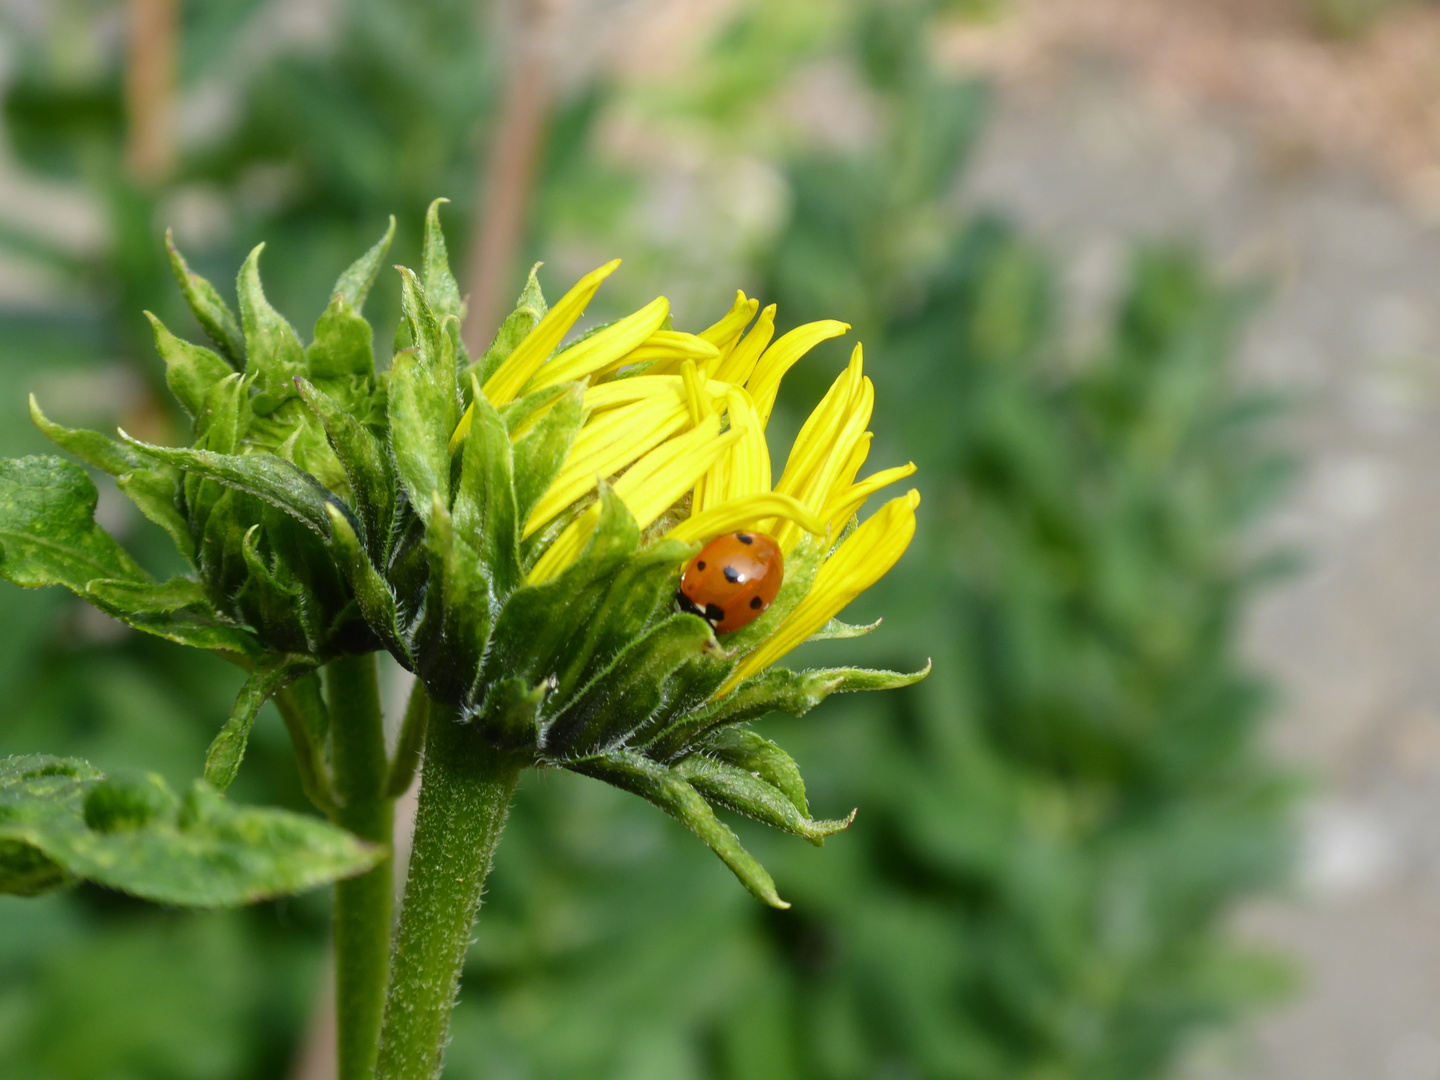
<point x="678" y="423"/>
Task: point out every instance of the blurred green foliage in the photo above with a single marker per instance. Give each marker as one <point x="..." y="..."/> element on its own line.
<point x="1052" y="827"/>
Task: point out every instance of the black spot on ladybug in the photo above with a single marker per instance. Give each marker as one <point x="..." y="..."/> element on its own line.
<point x="745" y="538"/>
<point x="688" y="605"/>
<point x="700" y="565"/>
<point x="732" y="575"/>
<point x="714" y="612"/>
<point x="756" y="603"/>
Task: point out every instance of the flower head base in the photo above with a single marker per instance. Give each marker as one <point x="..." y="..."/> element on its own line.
<point x="513" y="528"/>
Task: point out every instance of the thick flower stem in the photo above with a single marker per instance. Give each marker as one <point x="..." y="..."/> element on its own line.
<point x="364" y="905"/>
<point x="465" y="791"/>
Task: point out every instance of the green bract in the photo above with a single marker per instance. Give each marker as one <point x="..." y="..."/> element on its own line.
<point x="324" y="514"/>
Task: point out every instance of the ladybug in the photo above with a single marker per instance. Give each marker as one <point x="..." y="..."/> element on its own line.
<point x="733" y="580"/>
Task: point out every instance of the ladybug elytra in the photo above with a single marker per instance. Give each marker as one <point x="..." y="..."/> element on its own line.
<point x="733" y="580"/>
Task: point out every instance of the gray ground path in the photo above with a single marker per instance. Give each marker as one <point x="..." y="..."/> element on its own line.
<point x="1088" y="164"/>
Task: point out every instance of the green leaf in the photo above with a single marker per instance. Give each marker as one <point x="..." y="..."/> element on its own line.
<point x="372" y="591"/>
<point x="211" y="311"/>
<point x="366" y="465"/>
<point x="145" y="598"/>
<point x="344" y="343"/>
<point x="355" y="283"/>
<point x="669" y="791"/>
<point x="153" y="490"/>
<point x="777" y="690"/>
<point x="440" y="285"/>
<point x="484" y="507"/>
<point x="420" y="431"/>
<point x="190" y="370"/>
<point x="265" y="476"/>
<point x="273" y="353"/>
<point x="48" y="534"/>
<point x="542" y="450"/>
<point x="451" y="637"/>
<point x="529" y="310"/>
<point x="622" y="698"/>
<point x="271" y="675"/>
<point x="132" y="834"/>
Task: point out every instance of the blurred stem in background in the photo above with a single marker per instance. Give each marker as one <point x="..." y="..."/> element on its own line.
<point x="150" y="90"/>
<point x="509" y="169"/>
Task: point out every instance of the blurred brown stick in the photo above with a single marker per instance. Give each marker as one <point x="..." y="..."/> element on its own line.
<point x="509" y="175"/>
<point x="150" y="90"/>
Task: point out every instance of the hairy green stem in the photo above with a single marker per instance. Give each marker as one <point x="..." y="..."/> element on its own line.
<point x="364" y="905"/>
<point x="465" y="790"/>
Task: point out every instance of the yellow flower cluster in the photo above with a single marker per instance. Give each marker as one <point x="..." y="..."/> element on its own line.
<point x="671" y="414"/>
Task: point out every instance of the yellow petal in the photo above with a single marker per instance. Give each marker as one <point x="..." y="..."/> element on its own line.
<point x="603" y="347"/>
<point x="648" y="488"/>
<point x="844" y="505"/>
<point x="745" y="470"/>
<point x="666" y="349"/>
<point x="736" y="367"/>
<point x="736" y="319"/>
<point x="764" y="381"/>
<point x="643" y="387"/>
<point x="739" y="513"/>
<point x="857" y="564"/>
<point x="607" y="444"/>
<point x="537" y="345"/>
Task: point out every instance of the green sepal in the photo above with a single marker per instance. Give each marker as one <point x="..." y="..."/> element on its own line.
<point x="372" y="591"/>
<point x="199" y="851"/>
<point x="835" y="630"/>
<point x="268" y="477"/>
<point x="419" y="430"/>
<point x="484" y="506"/>
<point x="190" y="370"/>
<point x="441" y="289"/>
<point x="210" y="310"/>
<point x="641" y="589"/>
<point x="271" y="675"/>
<point x="344" y="343"/>
<point x="529" y="310"/>
<point x="622" y="698"/>
<point x="541" y="451"/>
<point x="733" y="788"/>
<point x="154" y="491"/>
<point x="530" y="634"/>
<point x="516" y="412"/>
<point x="355" y="283"/>
<point x="777" y="690"/>
<point x="48" y="534"/>
<point x="452" y="634"/>
<point x="667" y="789"/>
<point x="510" y="718"/>
<point x="273" y="352"/>
<point x="366" y="464"/>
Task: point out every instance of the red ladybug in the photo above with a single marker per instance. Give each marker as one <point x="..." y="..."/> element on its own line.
<point x="733" y="580"/>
